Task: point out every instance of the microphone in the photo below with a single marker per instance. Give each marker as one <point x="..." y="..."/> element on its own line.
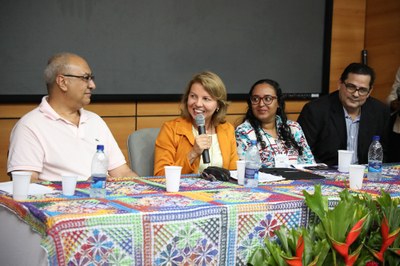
<point x="201" y="125"/>
<point x="364" y="57"/>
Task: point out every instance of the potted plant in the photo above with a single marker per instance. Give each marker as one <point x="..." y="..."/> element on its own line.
<point x="359" y="230"/>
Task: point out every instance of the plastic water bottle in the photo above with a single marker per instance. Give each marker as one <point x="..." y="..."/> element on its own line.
<point x="99" y="173"/>
<point x="375" y="157"/>
<point x="253" y="164"/>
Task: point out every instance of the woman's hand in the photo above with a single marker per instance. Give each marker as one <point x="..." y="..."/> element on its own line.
<point x="201" y="143"/>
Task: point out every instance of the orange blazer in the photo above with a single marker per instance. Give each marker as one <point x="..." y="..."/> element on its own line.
<point x="176" y="139"/>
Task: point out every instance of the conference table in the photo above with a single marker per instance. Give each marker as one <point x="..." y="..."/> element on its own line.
<point x="139" y="223"/>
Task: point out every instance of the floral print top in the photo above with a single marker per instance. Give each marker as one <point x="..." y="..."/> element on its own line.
<point x="245" y="132"/>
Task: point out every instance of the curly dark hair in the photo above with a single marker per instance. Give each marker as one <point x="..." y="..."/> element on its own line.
<point x="284" y="132"/>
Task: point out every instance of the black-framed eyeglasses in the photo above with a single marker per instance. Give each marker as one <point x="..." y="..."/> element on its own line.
<point x="353" y="88"/>
<point x="86" y="77"/>
<point x="267" y="99"/>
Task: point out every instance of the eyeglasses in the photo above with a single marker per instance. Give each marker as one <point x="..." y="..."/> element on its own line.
<point x="267" y="99"/>
<point x="353" y="88"/>
<point x="86" y="77"/>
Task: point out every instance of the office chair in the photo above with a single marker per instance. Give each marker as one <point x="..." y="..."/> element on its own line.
<point x="141" y="150"/>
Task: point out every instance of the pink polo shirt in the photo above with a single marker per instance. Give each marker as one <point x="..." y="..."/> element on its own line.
<point x="44" y="142"/>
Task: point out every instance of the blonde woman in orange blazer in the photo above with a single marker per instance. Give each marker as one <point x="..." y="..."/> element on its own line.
<point x="179" y="143"/>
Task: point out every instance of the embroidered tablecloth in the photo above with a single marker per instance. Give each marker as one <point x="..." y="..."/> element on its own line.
<point x="205" y="223"/>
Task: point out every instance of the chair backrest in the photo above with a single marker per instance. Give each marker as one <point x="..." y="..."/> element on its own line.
<point x="141" y="150"/>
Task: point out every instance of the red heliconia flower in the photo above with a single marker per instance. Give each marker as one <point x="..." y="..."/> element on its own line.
<point x="300" y="247"/>
<point x="296" y="261"/>
<point x="343" y="248"/>
<point x="355" y="231"/>
<point x="387" y="239"/>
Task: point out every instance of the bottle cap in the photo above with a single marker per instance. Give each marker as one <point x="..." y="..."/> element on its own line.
<point x="100" y="147"/>
<point x="376" y="138"/>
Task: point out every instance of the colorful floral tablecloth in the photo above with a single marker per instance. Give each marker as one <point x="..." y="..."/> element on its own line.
<point x="206" y="223"/>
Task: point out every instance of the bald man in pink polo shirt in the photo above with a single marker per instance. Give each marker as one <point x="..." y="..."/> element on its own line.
<point x="59" y="136"/>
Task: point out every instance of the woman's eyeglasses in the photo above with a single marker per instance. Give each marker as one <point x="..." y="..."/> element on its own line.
<point x="267" y="99"/>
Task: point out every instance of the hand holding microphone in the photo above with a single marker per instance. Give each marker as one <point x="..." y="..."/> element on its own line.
<point x="201" y="126"/>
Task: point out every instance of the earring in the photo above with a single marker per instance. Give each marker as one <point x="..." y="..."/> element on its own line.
<point x="217" y="110"/>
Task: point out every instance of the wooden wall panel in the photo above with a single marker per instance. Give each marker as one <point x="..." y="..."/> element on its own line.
<point x="121" y="127"/>
<point x="347" y="36"/>
<point x="113" y="109"/>
<point x="235" y="120"/>
<point x="152" y="121"/>
<point x="157" y="108"/>
<point x="295" y="106"/>
<point x="6" y="125"/>
<point x="15" y="110"/>
<point x="237" y="107"/>
<point x="382" y="40"/>
<point x="293" y="116"/>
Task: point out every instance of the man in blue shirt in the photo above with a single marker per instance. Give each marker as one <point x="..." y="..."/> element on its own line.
<point x="346" y="119"/>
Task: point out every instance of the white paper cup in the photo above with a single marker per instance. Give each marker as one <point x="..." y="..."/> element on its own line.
<point x="240" y="166"/>
<point x="356" y="176"/>
<point x="68" y="184"/>
<point x="344" y="158"/>
<point x="21" y="181"/>
<point x="172" y="178"/>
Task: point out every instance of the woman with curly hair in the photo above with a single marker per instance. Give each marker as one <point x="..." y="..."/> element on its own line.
<point x="266" y="122"/>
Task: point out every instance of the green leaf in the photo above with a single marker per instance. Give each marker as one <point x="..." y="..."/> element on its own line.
<point x="321" y="251"/>
<point x="317" y="203"/>
<point x="275" y="252"/>
<point x="259" y="257"/>
<point x="282" y="234"/>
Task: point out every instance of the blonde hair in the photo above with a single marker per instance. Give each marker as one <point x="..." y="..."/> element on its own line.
<point x="216" y="88"/>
